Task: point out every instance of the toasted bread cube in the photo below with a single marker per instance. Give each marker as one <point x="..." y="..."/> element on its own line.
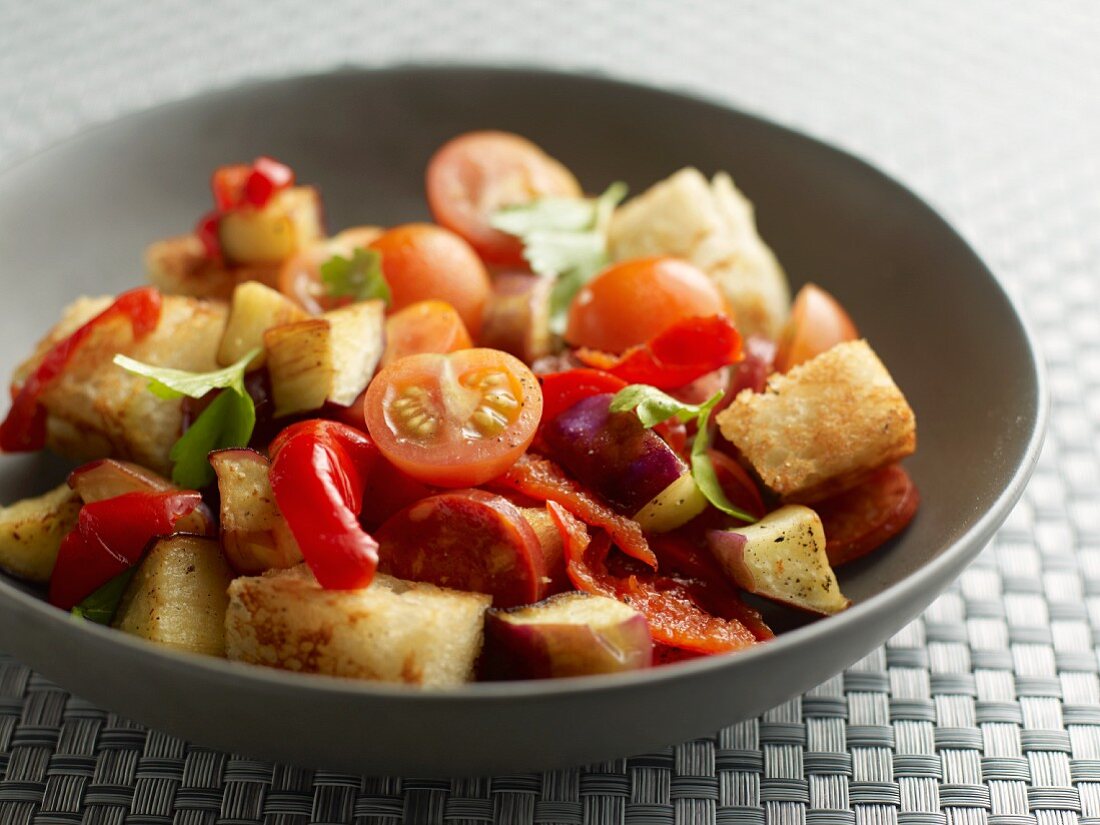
<point x="392" y="631"/>
<point x="712" y="226"/>
<point x="96" y="409"/>
<point x="177" y="596"/>
<point x="179" y="266"/>
<point x="31" y="531"/>
<point x="824" y="425"/>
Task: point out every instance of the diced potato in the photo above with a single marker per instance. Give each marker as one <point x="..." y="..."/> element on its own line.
<point x="712" y="225"/>
<point x="31" y="531"/>
<point x="178" y="596"/>
<point x="824" y="425"/>
<point x="290" y="221"/>
<point x="299" y="361"/>
<point x="96" y="409"/>
<point x="782" y="557"/>
<point x="254" y="309"/>
<point x="392" y="631"/>
<point x="255" y="536"/>
<point x="331" y="358"/>
<point x="357" y="343"/>
<point x="179" y="266"/>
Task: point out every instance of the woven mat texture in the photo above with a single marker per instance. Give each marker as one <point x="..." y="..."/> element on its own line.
<point x="984" y="710"/>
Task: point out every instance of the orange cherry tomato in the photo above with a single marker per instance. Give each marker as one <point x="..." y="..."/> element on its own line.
<point x="454" y="420"/>
<point x="426" y="326"/>
<point x="817" y="323"/>
<point x="422" y="262"/>
<point x="633" y="301"/>
<point x="300" y="275"/>
<point x="475" y="174"/>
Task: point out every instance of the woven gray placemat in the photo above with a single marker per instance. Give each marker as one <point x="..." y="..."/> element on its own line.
<point x="984" y="710"/>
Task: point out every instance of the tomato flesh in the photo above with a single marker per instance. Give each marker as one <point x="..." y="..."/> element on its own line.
<point x="860" y="520"/>
<point x="475" y="174"/>
<point x="631" y="302"/>
<point x="426" y="326"/>
<point x="454" y="420"/>
<point x="818" y="322"/>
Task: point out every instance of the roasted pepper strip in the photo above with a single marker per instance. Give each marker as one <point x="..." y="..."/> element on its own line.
<point x="687" y="350"/>
<point x="543" y="480"/>
<point x="24" y="429"/>
<point x="680" y="609"/>
<point x="318" y="474"/>
<point x="110" y="537"/>
<point x="561" y="390"/>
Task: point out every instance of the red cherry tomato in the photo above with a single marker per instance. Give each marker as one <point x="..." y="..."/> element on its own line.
<point x="817" y="323"/>
<point x="426" y="326"/>
<point x="423" y="262"/>
<point x="631" y="302"/>
<point x="475" y="174"/>
<point x="300" y="275"/>
<point x="863" y="518"/>
<point x="454" y="420"/>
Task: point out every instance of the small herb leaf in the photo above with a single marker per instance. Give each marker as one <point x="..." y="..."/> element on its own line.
<point x="652" y="405"/>
<point x="227" y="422"/>
<point x="101" y="605"/>
<point x="702" y="468"/>
<point x="359" y="277"/>
<point x="165" y="382"/>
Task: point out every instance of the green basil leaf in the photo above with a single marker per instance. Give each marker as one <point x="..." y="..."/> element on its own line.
<point x="165" y="382"/>
<point x="101" y="605"/>
<point x="702" y="468"/>
<point x="359" y="277"/>
<point x="227" y="422"/>
<point x="652" y="405"/>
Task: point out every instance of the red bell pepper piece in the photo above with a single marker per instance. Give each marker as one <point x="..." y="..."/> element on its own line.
<point x="543" y="480"/>
<point x="266" y="178"/>
<point x="687" y="350"/>
<point x="207" y="231"/>
<point x="24" y="429"/>
<point x="561" y="390"/>
<point x="110" y="537"/>
<point x="682" y="611"/>
<point x="318" y="474"/>
<point x="227" y="183"/>
<point x="237" y="185"/>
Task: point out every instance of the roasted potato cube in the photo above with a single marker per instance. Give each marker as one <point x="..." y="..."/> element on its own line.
<point x="712" y="225"/>
<point x="178" y="596"/>
<point x="31" y="531"/>
<point x="96" y="409"/>
<point x="824" y="425"/>
<point x="392" y="631"/>
<point x="254" y="309"/>
<point x="290" y="221"/>
<point x="357" y="342"/>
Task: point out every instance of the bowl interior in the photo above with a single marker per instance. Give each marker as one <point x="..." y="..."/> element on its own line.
<point x="75" y="219"/>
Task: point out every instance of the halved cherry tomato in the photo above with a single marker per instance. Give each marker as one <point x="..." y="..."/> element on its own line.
<point x="631" y="302"/>
<point x="426" y="326"/>
<point x="423" y="262"/>
<point x="454" y="420"/>
<point x="678" y="355"/>
<point x="861" y="519"/>
<point x="300" y="275"/>
<point x="466" y="540"/>
<point x="817" y="323"/>
<point x="475" y="174"/>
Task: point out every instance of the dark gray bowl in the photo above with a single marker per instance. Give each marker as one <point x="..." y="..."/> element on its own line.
<point x="74" y="219"/>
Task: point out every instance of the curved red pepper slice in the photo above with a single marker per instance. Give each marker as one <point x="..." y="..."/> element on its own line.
<point x="110" y="537"/>
<point x="678" y="355"/>
<point x="318" y="474"/>
<point x="561" y="390"/>
<point x="543" y="480"/>
<point x="679" y="609"/>
<point x="24" y="429"/>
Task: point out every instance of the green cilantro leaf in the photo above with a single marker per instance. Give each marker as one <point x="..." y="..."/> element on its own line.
<point x="227" y="422"/>
<point x="564" y="239"/>
<point x="653" y="406"/>
<point x="101" y="605"/>
<point x="169" y="383"/>
<point x="359" y="277"/>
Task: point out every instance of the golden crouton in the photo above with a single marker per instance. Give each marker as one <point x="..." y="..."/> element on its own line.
<point x="96" y="409"/>
<point x="824" y="425"/>
<point x="392" y="631"/>
<point x="31" y="531"/>
<point x="711" y="225"/>
<point x="179" y="266"/>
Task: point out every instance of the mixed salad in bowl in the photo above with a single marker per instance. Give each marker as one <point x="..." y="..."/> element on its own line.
<point x="549" y="434"/>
